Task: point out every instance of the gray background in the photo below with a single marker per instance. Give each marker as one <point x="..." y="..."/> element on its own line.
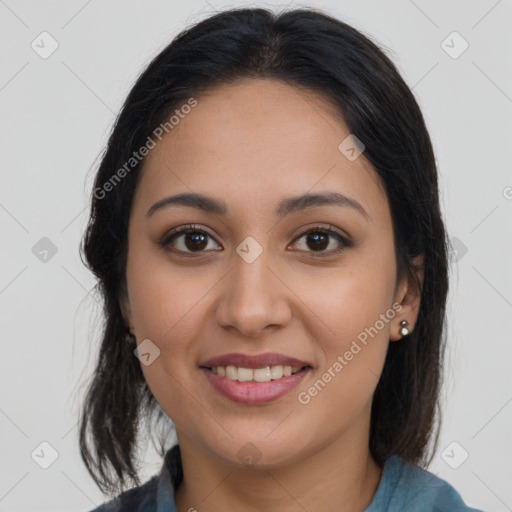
<point x="56" y="114"/>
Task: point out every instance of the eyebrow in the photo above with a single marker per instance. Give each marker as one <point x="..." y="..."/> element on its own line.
<point x="285" y="207"/>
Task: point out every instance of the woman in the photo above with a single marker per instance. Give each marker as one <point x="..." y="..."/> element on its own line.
<point x="266" y="232"/>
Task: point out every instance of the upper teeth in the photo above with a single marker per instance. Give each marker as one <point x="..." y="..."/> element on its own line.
<point x="265" y="374"/>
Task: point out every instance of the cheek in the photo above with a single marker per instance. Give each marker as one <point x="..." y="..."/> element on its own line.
<point x="349" y="314"/>
<point x="167" y="306"/>
<point x="164" y="297"/>
<point x="354" y="351"/>
<point x="347" y="302"/>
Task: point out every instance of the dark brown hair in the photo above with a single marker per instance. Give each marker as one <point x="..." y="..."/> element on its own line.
<point x="304" y="48"/>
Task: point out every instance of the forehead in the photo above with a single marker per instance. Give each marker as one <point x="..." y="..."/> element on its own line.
<point x="255" y="142"/>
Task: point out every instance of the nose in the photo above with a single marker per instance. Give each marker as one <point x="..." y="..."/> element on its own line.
<point x="254" y="298"/>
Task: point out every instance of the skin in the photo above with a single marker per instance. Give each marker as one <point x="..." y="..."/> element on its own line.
<point x="252" y="144"/>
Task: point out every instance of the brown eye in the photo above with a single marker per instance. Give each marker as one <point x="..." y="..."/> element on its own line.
<point x="318" y="239"/>
<point x="190" y="239"/>
<point x="195" y="241"/>
<point x="186" y="239"/>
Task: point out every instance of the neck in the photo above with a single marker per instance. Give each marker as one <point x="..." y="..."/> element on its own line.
<point x="341" y="475"/>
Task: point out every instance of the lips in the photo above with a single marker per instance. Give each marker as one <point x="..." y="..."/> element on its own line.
<point x="258" y="391"/>
<point x="253" y="361"/>
<point x="253" y="393"/>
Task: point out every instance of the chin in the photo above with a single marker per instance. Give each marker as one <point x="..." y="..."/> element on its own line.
<point x="257" y="452"/>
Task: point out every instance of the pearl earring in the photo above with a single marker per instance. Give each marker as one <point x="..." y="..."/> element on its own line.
<point x="404" y="331"/>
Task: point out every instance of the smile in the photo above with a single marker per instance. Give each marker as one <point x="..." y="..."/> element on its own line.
<point x="264" y="374"/>
<point x="254" y="386"/>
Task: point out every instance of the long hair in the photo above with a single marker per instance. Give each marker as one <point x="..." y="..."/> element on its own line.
<point x="309" y="49"/>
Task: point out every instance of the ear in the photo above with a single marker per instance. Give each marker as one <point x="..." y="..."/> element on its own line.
<point x="408" y="295"/>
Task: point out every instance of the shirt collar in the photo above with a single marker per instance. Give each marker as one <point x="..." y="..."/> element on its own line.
<point x="165" y="490"/>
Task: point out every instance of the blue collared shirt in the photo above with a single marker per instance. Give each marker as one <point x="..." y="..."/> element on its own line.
<point x="403" y="487"/>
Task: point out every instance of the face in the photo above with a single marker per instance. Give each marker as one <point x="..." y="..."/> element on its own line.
<point x="260" y="274"/>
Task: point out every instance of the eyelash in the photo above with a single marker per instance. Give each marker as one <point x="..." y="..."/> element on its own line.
<point x="194" y="228"/>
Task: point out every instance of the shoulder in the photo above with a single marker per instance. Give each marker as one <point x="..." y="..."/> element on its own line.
<point x="408" y="487"/>
<point x="156" y="494"/>
<point x="138" y="499"/>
